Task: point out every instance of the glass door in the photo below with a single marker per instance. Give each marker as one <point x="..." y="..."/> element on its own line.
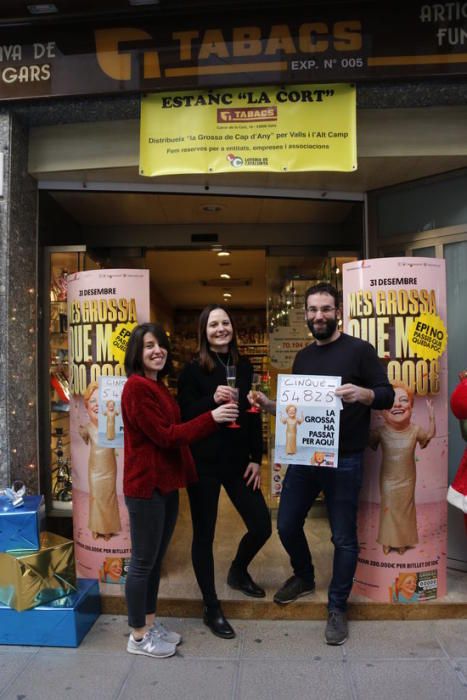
<point x="451" y="244"/>
<point x="290" y="272"/>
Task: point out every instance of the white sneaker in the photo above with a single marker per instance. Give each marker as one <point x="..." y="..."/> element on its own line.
<point x="160" y="631"/>
<point x="150" y="645"/>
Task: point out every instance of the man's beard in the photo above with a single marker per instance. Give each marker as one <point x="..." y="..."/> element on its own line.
<point x="325" y="331"/>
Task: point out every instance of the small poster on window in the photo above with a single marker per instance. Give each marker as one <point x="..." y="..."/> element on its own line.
<point x="307" y="420"/>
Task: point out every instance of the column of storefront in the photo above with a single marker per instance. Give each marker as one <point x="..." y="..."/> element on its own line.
<point x="18" y="317"/>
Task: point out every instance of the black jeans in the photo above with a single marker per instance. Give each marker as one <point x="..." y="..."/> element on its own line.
<point x="152" y="522"/>
<point x="204" y="499"/>
<point x="341" y="487"/>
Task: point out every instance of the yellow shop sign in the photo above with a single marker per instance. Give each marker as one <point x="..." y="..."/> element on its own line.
<point x="294" y="128"/>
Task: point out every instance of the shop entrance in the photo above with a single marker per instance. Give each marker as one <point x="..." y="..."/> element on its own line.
<point x="262" y="284"/>
<point x="112" y="233"/>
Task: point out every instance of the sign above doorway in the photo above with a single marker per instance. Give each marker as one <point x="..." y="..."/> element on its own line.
<point x="342" y="42"/>
<point x="291" y="128"/>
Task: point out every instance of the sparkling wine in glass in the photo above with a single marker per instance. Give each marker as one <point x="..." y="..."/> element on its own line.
<point x="231" y="375"/>
<point x="255" y="384"/>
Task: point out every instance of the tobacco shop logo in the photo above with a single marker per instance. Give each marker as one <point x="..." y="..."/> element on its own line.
<point x="238" y="114"/>
<point x="235" y="161"/>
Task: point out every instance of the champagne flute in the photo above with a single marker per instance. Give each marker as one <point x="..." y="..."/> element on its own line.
<point x="231" y="376"/>
<point x="255" y="384"/>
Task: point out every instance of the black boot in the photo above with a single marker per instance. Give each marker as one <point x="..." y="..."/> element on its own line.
<point x="242" y="581"/>
<point x="214" y="618"/>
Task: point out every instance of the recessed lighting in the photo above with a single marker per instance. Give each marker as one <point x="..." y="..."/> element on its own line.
<point x="223" y="253"/>
<point x="143" y="2"/>
<point x="211" y="208"/>
<point x="42" y="8"/>
<point x="225" y="276"/>
<point x="227" y="295"/>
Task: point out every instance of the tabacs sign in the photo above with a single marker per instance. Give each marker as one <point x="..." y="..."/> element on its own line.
<point x="340" y="43"/>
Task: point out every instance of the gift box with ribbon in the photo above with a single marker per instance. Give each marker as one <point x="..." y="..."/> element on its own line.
<point x="20" y="525"/>
<point x="28" y="579"/>
<point x="60" y="623"/>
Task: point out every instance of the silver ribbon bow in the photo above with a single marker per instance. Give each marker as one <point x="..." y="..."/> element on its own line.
<point x="15" y="494"/>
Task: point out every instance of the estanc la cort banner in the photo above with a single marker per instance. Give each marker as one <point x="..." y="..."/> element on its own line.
<point x="399" y="306"/>
<point x="279" y="129"/>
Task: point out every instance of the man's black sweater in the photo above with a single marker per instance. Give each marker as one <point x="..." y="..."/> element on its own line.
<point x="357" y="363"/>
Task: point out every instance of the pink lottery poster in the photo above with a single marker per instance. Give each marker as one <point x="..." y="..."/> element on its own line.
<point x="103" y="307"/>
<point x="399" y="306"/>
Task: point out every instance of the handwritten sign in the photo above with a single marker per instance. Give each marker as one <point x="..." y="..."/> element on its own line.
<point x="110" y="424"/>
<point x="307" y="420"/>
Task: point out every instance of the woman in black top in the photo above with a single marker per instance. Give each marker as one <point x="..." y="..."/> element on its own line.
<point x="229" y="458"/>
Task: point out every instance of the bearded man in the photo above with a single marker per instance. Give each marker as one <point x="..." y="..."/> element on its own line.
<point x="364" y="386"/>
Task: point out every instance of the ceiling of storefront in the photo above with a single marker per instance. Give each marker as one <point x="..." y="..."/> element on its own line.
<point x="68" y="10"/>
<point x="131" y="209"/>
<point x="372" y="174"/>
<point x="192" y="279"/>
<point x="19" y="11"/>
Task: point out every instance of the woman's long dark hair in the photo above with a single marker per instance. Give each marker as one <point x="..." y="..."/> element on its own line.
<point x="205" y="357"/>
<point x="134" y="350"/>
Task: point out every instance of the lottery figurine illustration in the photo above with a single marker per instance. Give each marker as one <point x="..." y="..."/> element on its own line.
<point x="112" y="570"/>
<point x="399" y="437"/>
<point x="291" y="420"/>
<point x="104" y="516"/>
<point x="111" y="414"/>
<point x="405" y="589"/>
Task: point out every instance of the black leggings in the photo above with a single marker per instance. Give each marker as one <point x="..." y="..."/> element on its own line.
<point x="204" y="499"/>
<point x="152" y="522"/>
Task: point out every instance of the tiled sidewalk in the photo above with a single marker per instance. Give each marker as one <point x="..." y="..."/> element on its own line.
<point x="270" y="660"/>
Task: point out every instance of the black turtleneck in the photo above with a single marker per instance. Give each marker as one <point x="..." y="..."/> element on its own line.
<point x="226" y="448"/>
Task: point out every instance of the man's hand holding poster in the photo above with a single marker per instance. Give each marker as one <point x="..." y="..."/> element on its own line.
<point x="307" y="420"/>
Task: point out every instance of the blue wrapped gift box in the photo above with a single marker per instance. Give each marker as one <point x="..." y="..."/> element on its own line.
<point x="61" y="623"/>
<point x="20" y="527"/>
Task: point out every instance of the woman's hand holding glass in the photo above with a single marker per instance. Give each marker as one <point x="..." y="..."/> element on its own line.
<point x="228" y="396"/>
<point x="226" y="413"/>
<point x="223" y="394"/>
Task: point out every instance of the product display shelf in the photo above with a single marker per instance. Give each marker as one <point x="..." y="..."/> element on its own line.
<point x="60" y="262"/>
<point x="257" y="353"/>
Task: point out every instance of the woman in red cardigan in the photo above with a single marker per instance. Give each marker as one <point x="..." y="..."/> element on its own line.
<point x="157" y="463"/>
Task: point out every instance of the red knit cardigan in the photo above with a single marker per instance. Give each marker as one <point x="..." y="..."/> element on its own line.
<point x="157" y="455"/>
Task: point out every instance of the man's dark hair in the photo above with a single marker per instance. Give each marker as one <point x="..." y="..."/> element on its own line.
<point x="134" y="350"/>
<point x="323" y="288"/>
